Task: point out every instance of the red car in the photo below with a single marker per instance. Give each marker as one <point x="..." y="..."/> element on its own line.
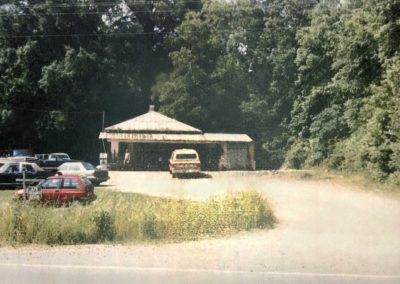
<point x="60" y="189"/>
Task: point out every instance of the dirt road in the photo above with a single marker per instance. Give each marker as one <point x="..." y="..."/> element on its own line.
<point x="327" y="233"/>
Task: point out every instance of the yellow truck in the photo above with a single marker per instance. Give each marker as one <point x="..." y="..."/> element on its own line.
<point x="184" y="162"/>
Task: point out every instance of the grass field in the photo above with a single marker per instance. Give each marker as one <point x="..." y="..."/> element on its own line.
<point x="118" y="217"/>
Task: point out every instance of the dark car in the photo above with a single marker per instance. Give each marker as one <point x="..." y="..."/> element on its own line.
<point x="50" y="162"/>
<point x="60" y="189"/>
<point x="11" y="174"/>
<point x="95" y="175"/>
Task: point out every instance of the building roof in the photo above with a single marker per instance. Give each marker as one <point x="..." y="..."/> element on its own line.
<point x="226" y="137"/>
<point x="154" y="127"/>
<point x="152" y="122"/>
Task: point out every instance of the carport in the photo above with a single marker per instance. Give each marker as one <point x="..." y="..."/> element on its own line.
<point x="150" y="139"/>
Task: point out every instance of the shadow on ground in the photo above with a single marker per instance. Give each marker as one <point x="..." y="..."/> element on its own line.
<point x="194" y="176"/>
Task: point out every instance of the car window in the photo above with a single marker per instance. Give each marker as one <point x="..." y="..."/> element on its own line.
<point x="62" y="157"/>
<point x="52" y="183"/>
<point x="186" y="156"/>
<point x="86" y="181"/>
<point x="88" y="166"/>
<point x="22" y="152"/>
<point x="11" y="169"/>
<point x="28" y="168"/>
<point x="71" y="183"/>
<point x="4" y="168"/>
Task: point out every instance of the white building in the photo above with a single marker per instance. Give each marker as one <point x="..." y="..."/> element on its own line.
<point x="150" y="139"/>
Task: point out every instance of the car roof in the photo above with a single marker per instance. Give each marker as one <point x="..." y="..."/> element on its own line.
<point x="75" y="162"/>
<point x="185" y="151"/>
<point x="19" y="163"/>
<point x="64" y="176"/>
<point x="11" y="163"/>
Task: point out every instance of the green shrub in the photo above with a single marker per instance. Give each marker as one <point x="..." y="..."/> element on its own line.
<point x="104" y="226"/>
<point x="150" y="228"/>
<point x="298" y="154"/>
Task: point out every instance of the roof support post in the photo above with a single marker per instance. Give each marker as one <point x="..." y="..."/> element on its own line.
<point x="114" y="150"/>
<point x="251" y="156"/>
<point x="223" y="161"/>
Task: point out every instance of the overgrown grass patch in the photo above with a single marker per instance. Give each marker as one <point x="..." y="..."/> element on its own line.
<point x="127" y="217"/>
<point x="354" y="179"/>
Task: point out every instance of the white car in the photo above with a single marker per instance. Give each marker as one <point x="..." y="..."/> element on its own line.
<point x="95" y="175"/>
<point x="184" y="162"/>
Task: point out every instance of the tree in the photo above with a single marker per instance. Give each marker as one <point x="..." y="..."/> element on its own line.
<point x="338" y="60"/>
<point x="272" y="88"/>
<point x="346" y="115"/>
<point x="233" y="70"/>
<point x="63" y="64"/>
<point x="211" y="57"/>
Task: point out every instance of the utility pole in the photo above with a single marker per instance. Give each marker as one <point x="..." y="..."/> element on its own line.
<point x="24" y="182"/>
<point x="104" y="118"/>
<point x="102" y="129"/>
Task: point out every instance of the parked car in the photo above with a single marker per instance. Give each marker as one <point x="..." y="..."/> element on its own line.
<point x="184" y="161"/>
<point x="52" y="161"/>
<point x="11" y="174"/>
<point x="60" y="189"/>
<point x="17" y="155"/>
<point x="22" y="153"/>
<point x="95" y="175"/>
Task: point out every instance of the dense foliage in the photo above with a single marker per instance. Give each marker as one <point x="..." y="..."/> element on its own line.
<point x="63" y="63"/>
<point x="314" y="83"/>
<point x="346" y="113"/>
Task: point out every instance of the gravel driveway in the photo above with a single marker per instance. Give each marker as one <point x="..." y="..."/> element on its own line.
<point x="327" y="233"/>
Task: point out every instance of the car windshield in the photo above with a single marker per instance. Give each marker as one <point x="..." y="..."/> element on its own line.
<point x="22" y="152"/>
<point x="86" y="180"/>
<point x="88" y="166"/>
<point x="5" y="168"/>
<point x="186" y="156"/>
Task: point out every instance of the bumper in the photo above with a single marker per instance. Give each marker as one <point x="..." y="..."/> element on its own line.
<point x="186" y="171"/>
<point x="98" y="180"/>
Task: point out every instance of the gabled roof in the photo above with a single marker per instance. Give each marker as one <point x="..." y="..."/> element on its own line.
<point x="154" y="127"/>
<point x="152" y="122"/>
